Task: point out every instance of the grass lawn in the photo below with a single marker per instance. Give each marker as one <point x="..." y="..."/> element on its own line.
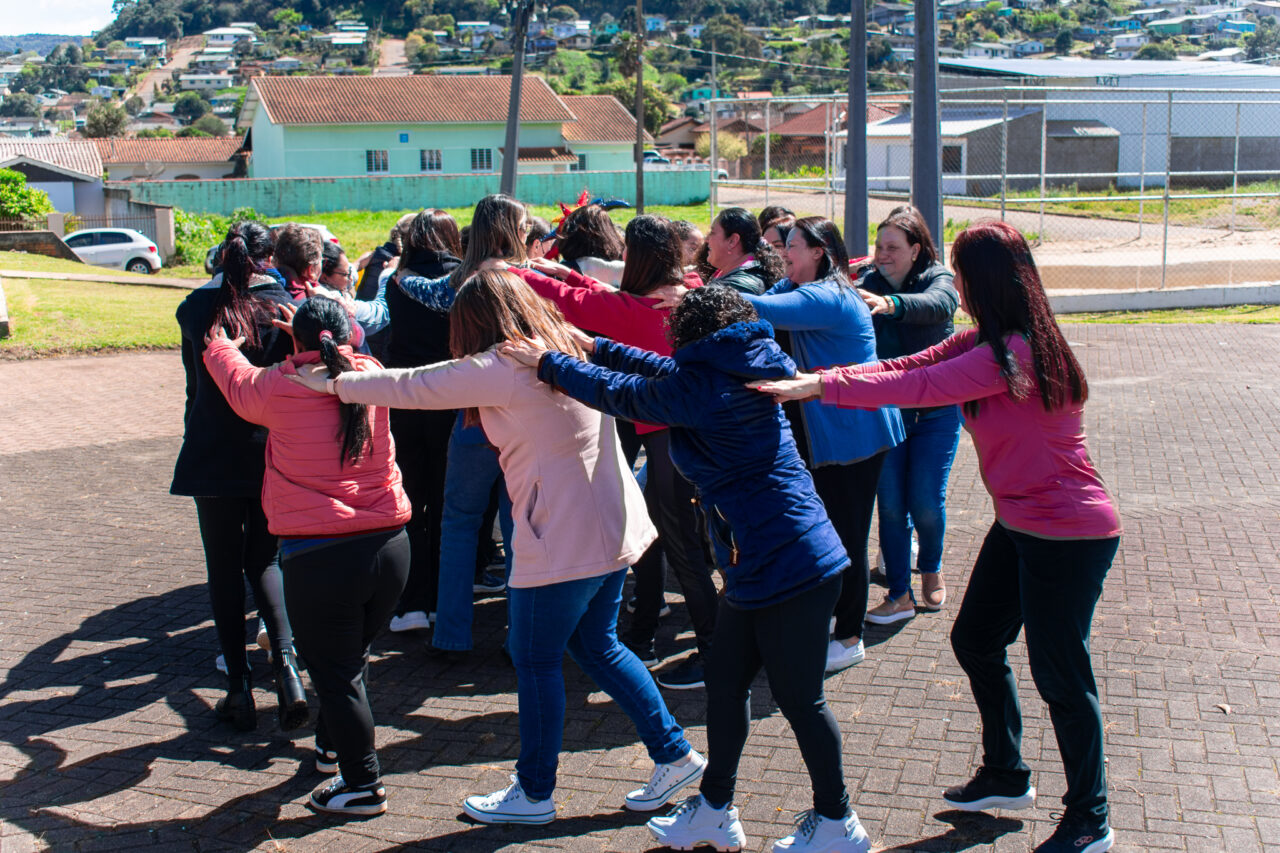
<point x="1251" y="213"/>
<point x="1230" y="314"/>
<point x="81" y="317"/>
<point x="31" y="262"/>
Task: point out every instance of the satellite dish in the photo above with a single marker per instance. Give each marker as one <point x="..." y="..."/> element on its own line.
<point x="150" y="169"/>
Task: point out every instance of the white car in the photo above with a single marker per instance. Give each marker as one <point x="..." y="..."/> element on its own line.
<point x="120" y="248"/>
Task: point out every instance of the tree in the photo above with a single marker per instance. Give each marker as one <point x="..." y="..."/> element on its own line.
<point x="1263" y="41"/>
<point x="115" y="47"/>
<point x="562" y="13"/>
<point x="134" y="105"/>
<point x="190" y="106"/>
<point x="21" y="104"/>
<point x="188" y="132"/>
<point x="286" y="19"/>
<point x="105" y="120"/>
<point x="413" y="44"/>
<point x="210" y="124"/>
<point x="1157" y="50"/>
<point x="155" y="133"/>
<point x="19" y="201"/>
<point x="1063" y="42"/>
<point x="878" y="51"/>
<point x="657" y="105"/>
<point x="724" y="34"/>
<point x="728" y="146"/>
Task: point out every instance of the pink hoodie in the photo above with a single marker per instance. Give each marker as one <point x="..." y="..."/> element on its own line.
<point x="307" y="490"/>
<point x="577" y="509"/>
<point x="1035" y="463"/>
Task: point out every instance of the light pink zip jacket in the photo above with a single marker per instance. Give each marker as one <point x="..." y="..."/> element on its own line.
<point x="577" y="509"/>
<point x="1035" y="463"/>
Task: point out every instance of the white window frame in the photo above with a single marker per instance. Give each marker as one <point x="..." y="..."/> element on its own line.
<point x="483" y="157"/>
<point x="431" y="159"/>
<point x="376" y="161"/>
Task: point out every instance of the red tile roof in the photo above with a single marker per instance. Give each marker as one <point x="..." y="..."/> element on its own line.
<point x="73" y="155"/>
<point x="601" y="118"/>
<point x="814" y="121"/>
<point x="188" y="150"/>
<point x="420" y="99"/>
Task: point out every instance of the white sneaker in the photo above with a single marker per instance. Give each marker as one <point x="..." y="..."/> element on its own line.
<point x="695" y="822"/>
<point x="414" y="620"/>
<point x="817" y="834"/>
<point x="510" y="805"/>
<point x="665" y="781"/>
<point x="840" y="656"/>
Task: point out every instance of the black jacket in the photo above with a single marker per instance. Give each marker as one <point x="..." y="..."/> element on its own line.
<point x="418" y="335"/>
<point x="927" y="302"/>
<point x="222" y="455"/>
<point x="748" y="278"/>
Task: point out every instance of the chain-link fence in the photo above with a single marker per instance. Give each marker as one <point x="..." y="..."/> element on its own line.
<point x="1117" y="187"/>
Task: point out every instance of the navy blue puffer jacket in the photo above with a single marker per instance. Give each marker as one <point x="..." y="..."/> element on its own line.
<point x="769" y="529"/>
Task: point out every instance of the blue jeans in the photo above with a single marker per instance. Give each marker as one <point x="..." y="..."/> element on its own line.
<point x="582" y="617"/>
<point x="913" y="493"/>
<point x="470" y="475"/>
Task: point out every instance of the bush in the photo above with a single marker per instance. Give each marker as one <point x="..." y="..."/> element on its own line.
<point x="19" y="201"/>
<point x="193" y="234"/>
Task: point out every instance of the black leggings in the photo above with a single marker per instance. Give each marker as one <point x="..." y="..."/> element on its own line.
<point x="849" y="494"/>
<point x="669" y="499"/>
<point x="1049" y="588"/>
<point x="789" y="640"/>
<point x="422" y="448"/>
<point x="340" y="596"/>
<point x="237" y="546"/>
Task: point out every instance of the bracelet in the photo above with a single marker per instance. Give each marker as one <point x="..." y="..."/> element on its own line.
<point x="329" y="387"/>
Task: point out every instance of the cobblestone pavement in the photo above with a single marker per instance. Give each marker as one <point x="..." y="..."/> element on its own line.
<point x="108" y="741"/>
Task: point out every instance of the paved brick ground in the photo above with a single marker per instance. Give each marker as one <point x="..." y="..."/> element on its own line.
<point x="107" y="740"/>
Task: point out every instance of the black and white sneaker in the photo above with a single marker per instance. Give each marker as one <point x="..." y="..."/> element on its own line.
<point x="989" y="789"/>
<point x="644" y="650"/>
<point x="337" y="797"/>
<point x="326" y="761"/>
<point x="1079" y="835"/>
<point x="663" y="612"/>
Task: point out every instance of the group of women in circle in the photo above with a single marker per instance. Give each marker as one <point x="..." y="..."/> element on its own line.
<point x="778" y="393"/>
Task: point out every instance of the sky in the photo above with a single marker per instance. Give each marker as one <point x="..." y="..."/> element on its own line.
<point x="58" y="17"/>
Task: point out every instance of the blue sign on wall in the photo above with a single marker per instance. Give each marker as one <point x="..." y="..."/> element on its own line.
<point x="404" y="137"/>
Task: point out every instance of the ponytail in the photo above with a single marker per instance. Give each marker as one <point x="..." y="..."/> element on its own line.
<point x="245" y="251"/>
<point x="771" y="266"/>
<point x="322" y="324"/>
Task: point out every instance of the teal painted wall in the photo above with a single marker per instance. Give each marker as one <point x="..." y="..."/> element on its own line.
<point x="606" y="156"/>
<point x="281" y="197"/>
<point x="302" y="151"/>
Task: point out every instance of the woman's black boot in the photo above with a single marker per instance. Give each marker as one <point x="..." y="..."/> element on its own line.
<point x="237" y="706"/>
<point x="291" y="697"/>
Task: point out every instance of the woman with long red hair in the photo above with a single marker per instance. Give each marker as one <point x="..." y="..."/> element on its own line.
<point x="1056" y="531"/>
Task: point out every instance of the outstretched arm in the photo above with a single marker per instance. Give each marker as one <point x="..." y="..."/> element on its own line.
<point x="432" y="292"/>
<point x="628" y="359"/>
<point x="479" y="380"/>
<point x="669" y="399"/>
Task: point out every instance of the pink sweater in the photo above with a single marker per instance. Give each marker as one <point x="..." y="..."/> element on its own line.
<point x="577" y="509"/>
<point x="1035" y="463"/>
<point x="308" y="490"/>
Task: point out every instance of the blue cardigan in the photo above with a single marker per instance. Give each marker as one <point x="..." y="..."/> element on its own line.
<point x="830" y="326"/>
<point x="768" y="528"/>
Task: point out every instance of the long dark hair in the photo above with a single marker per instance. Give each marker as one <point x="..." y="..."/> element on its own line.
<point x="245" y="253"/>
<point x="739" y="221"/>
<point x="495" y="233"/>
<point x="493" y="306"/>
<point x="705" y="310"/>
<point x="1004" y="295"/>
<point x="910" y="221"/>
<point x="322" y="324"/>
<point x="654" y="255"/>
<point x="432" y="230"/>
<point x="821" y="233"/>
<point x="588" y="232"/>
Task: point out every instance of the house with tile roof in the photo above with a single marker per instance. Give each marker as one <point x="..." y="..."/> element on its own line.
<point x="425" y="124"/>
<point x="69" y="170"/>
<point x="177" y="159"/>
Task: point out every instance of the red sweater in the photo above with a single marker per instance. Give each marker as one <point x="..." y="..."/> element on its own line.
<point x="624" y="317"/>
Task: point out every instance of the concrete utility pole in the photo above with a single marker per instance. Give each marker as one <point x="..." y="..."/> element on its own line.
<point x="855" y="149"/>
<point x="926" y="121"/>
<point x="639" y="110"/>
<point x="511" y="153"/>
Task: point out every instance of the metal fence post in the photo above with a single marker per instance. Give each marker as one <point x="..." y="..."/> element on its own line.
<point x="715" y="159"/>
<point x="1044" y="153"/>
<point x="1235" y="170"/>
<point x="1142" y="179"/>
<point x="1004" y="156"/>
<point x="1168" y="168"/>
<point x="768" y="143"/>
<point x="926" y="122"/>
<point x="826" y="167"/>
